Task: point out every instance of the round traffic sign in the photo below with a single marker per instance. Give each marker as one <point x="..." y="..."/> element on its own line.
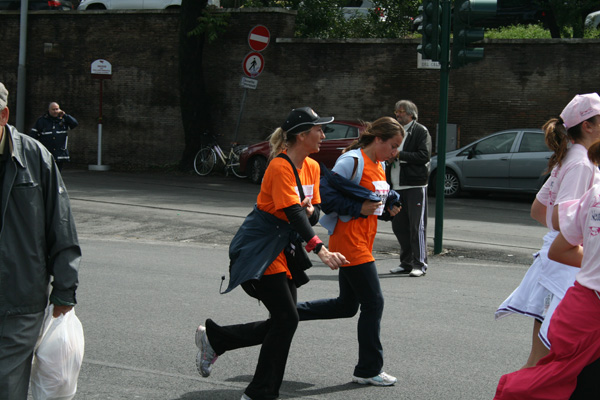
<point x="259" y="37"/>
<point x="253" y="64"/>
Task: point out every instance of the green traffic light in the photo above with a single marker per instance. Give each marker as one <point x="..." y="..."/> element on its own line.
<point x="430" y="29"/>
<point x="466" y="15"/>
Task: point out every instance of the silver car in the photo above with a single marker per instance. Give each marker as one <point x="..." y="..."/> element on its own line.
<point x="513" y="160"/>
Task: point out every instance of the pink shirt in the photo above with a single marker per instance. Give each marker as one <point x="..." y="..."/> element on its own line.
<point x="580" y="224"/>
<point x="569" y="181"/>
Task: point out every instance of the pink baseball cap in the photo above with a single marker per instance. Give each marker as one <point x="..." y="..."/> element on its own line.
<point x="581" y="108"/>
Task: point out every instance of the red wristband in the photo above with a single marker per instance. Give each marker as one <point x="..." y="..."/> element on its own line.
<point x="312" y="243"/>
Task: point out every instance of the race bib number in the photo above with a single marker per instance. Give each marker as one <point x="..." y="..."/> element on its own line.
<point x="382" y="188"/>
<point x="308" y="191"/>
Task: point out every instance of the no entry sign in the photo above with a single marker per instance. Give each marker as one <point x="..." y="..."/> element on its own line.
<point x="259" y="37"/>
<point x="253" y="64"/>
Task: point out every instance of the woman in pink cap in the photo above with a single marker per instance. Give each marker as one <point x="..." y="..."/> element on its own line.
<point x="572" y="174"/>
<point x="574" y="331"/>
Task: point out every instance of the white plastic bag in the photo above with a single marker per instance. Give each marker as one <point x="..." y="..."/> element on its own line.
<point x="57" y="357"/>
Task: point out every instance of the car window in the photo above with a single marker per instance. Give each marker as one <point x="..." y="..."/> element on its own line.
<point x="496" y="144"/>
<point x="533" y="142"/>
<point x="353" y="132"/>
<point x="335" y="131"/>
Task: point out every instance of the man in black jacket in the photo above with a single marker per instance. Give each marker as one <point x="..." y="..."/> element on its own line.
<point x="52" y="129"/>
<point x="409" y="175"/>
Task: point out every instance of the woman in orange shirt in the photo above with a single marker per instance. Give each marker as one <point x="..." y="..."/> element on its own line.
<point x="358" y="280"/>
<point x="279" y="200"/>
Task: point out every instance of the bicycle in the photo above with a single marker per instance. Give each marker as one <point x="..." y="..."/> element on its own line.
<point x="206" y="158"/>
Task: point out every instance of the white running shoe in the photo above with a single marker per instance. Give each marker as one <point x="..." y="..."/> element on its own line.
<point x="382" y="379"/>
<point x="400" y="270"/>
<point x="416" y="272"/>
<point x="206" y="356"/>
<point x="244" y="397"/>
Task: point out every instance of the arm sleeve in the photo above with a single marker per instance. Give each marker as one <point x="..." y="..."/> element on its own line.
<point x="332" y="201"/>
<point x="64" y="253"/>
<point x="575" y="183"/>
<point x="314" y="218"/>
<point x="422" y="152"/>
<point x="299" y="221"/>
<point x="569" y="214"/>
<point x="70" y="121"/>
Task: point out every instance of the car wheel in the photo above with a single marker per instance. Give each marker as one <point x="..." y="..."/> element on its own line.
<point x="451" y="184"/>
<point x="257" y="168"/>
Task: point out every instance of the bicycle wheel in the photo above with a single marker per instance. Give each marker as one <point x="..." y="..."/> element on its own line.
<point x="205" y="161"/>
<point x="234" y="161"/>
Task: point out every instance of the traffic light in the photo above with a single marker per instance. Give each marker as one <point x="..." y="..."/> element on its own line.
<point x="430" y="29"/>
<point x="466" y="15"/>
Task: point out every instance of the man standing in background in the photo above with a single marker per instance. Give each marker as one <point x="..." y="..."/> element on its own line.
<point x="409" y="175"/>
<point x="52" y="129"/>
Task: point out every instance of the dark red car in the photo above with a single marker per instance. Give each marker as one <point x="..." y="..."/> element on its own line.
<point x="338" y="136"/>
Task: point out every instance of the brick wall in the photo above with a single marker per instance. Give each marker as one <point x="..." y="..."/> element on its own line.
<point x="518" y="84"/>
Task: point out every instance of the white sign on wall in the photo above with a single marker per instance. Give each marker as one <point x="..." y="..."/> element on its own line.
<point x="423" y="63"/>
<point x="101" y="67"/>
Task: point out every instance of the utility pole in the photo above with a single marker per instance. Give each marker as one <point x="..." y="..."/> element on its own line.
<point x="443" y="123"/>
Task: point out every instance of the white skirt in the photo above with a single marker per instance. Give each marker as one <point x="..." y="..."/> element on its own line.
<point x="558" y="289"/>
<point x="530" y="298"/>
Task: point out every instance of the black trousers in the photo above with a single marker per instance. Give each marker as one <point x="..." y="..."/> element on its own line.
<point x="278" y="294"/>
<point x="410" y="228"/>
<point x="588" y="385"/>
<point x="359" y="286"/>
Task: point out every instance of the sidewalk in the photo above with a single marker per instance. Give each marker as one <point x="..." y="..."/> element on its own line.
<point x="212" y="207"/>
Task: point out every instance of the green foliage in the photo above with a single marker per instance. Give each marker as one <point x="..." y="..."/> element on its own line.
<point x="592" y="33"/>
<point x="533" y="32"/>
<point x="211" y="24"/>
<point x="518" y="32"/>
<point x="570" y="15"/>
<point x="325" y="19"/>
<point x="319" y="18"/>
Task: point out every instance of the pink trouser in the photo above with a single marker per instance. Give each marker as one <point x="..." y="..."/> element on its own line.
<point x="575" y="336"/>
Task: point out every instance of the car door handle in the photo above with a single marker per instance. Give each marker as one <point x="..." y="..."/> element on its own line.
<point x="504" y="159"/>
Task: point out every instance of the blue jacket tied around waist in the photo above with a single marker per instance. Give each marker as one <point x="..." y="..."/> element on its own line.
<point x="258" y="242"/>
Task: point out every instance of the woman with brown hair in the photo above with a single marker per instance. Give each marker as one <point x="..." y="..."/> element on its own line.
<point x="572" y="173"/>
<point x="354" y="230"/>
<point x="257" y="256"/>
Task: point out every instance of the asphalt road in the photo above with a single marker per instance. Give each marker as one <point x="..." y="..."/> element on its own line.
<point x="155" y="248"/>
<point x="192" y="209"/>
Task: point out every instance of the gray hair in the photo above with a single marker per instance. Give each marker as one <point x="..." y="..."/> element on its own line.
<point x="410" y="108"/>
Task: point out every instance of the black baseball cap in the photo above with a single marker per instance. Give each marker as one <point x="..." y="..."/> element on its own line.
<point x="302" y="119"/>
